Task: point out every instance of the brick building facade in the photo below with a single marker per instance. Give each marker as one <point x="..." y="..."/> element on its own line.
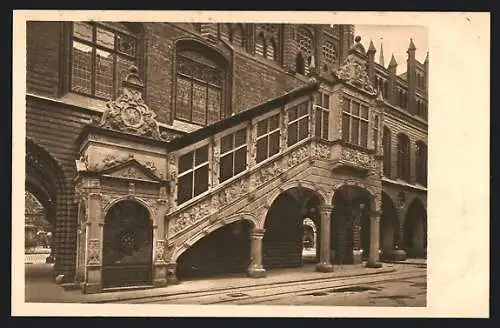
<point x="199" y="82"/>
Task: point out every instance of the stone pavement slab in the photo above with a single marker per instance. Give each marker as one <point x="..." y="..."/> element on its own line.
<point x="40" y="288"/>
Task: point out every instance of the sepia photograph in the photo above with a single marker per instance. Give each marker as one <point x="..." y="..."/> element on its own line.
<point x="226" y="162"/>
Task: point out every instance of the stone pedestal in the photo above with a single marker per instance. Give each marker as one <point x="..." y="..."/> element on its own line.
<point x="324" y="264"/>
<point x="255" y="269"/>
<point x="171" y="273"/>
<point x="357" y="256"/>
<point x="398" y="255"/>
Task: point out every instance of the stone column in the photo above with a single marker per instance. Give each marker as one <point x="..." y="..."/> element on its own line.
<point x="373" y="259"/>
<point x="324" y="264"/>
<point x="95" y="226"/>
<point x="256" y="270"/>
<point x="399" y="253"/>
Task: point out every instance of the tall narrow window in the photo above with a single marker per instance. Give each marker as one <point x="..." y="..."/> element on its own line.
<point x="305" y="43"/>
<point x="375" y="131"/>
<point x="403" y="157"/>
<point x="233" y="157"/>
<point x="322" y="112"/>
<point x="329" y="53"/>
<point x="387" y="144"/>
<point x="268" y="138"/>
<point x="355" y="123"/>
<point x="421" y="163"/>
<point x="200" y="88"/>
<point x="298" y="123"/>
<point x="271" y="50"/>
<point x="260" y="45"/>
<point x="237" y="36"/>
<point x="225" y="31"/>
<point x="193" y="174"/>
<point x="100" y="59"/>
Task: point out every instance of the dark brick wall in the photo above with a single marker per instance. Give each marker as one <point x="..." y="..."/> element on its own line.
<point x="42" y="57"/>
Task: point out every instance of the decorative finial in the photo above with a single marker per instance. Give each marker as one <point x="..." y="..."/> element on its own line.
<point x="357" y="39"/>
<point x="133" y="69"/>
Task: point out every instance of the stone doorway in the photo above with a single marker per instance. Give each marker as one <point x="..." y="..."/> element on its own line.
<point x="127" y="246"/>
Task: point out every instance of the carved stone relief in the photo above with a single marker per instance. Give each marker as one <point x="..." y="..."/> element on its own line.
<point x="93" y="252"/>
<point x="321" y="151"/>
<point x="298" y="156"/>
<point x="358" y="158"/>
<point x="160" y="250"/>
<point x="354" y="72"/>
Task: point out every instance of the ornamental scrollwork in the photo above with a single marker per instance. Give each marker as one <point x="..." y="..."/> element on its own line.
<point x="172" y="166"/>
<point x="192" y="215"/>
<point x="233" y="192"/>
<point x="321" y="151"/>
<point x="93" y="252"/>
<point x="128" y="113"/>
<point x="358" y="158"/>
<point x="265" y="174"/>
<point x="160" y="246"/>
<point x="354" y="72"/>
<point x="298" y="156"/>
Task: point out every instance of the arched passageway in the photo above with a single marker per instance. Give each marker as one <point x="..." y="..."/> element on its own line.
<point x="44" y="180"/>
<point x="415" y="230"/>
<point x="310" y="252"/>
<point x="389" y="228"/>
<point x="282" y="245"/>
<point x="351" y="209"/>
<point x="225" y="250"/>
<point x="127" y="246"/>
<point x="38" y="230"/>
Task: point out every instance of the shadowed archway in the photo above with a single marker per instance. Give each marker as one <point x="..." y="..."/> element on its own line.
<point x="415" y="230"/>
<point x="389" y="227"/>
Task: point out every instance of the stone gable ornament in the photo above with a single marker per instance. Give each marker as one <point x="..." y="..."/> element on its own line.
<point x="354" y="71"/>
<point x="128" y="113"/>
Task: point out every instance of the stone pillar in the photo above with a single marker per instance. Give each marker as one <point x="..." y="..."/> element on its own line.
<point x="357" y="254"/>
<point x="324" y="264"/>
<point x="256" y="270"/>
<point x="95" y="226"/>
<point x="373" y="259"/>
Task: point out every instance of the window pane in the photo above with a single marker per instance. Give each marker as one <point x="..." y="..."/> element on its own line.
<point x="185" y="188"/>
<point x="122" y="66"/>
<point x="355" y="131"/>
<point x="261" y="128"/>
<point x="201" y="180"/>
<point x="81" y="70"/>
<point x="292" y="114"/>
<point x="303" y="128"/>
<point x="364" y="112"/>
<point x="274" y="143"/>
<point x="292" y="133"/>
<point x="261" y="149"/>
<point x="364" y="133"/>
<point x="270" y="51"/>
<point x="274" y="122"/>
<point x="325" y="124"/>
<point x="345" y="127"/>
<point x="104" y="74"/>
<point x="214" y="105"/>
<point x="201" y="155"/>
<point x="240" y="138"/>
<point x="355" y="108"/>
<point x="226" y="143"/>
<point x="126" y="44"/>
<point x="302" y="109"/>
<point x="226" y="167"/>
<point x="326" y="101"/>
<point x="82" y="30"/>
<point x="186" y="162"/>
<point x="105" y="38"/>
<point x="240" y="160"/>
<point x="346" y="105"/>
<point x="199" y="103"/>
<point x="317" y="120"/>
<point x="183" y="99"/>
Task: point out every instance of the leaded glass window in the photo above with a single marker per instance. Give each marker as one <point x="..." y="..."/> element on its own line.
<point x="305" y="43"/>
<point x="100" y="59"/>
<point x="199" y="90"/>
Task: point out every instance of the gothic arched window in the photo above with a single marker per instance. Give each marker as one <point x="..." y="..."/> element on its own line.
<point x="225" y="31"/>
<point x="421" y="163"/>
<point x="260" y="45"/>
<point x="403" y="157"/>
<point x="101" y="55"/>
<point x="237" y="38"/>
<point x="200" y="84"/>
<point x="305" y="43"/>
<point x="329" y="53"/>
<point x="271" y="49"/>
<point x="387" y="144"/>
